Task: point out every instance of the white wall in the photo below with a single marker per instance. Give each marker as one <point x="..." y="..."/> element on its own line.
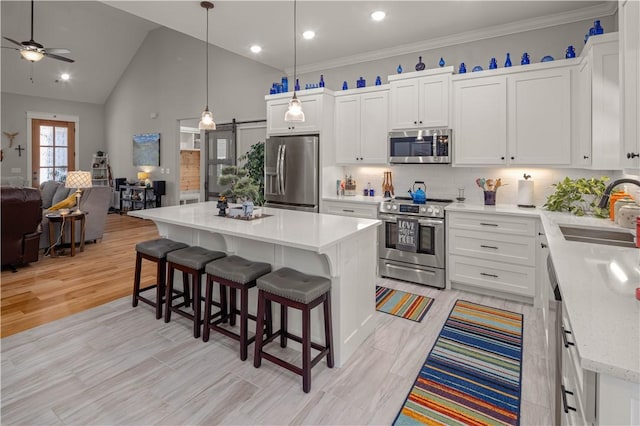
<point x="167" y="77"/>
<point x="90" y="136"/>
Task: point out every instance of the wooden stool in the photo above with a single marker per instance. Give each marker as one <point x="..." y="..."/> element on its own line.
<point x="294" y="289"/>
<point x="191" y="261"/>
<point x="155" y="251"/>
<point x="236" y="273"/>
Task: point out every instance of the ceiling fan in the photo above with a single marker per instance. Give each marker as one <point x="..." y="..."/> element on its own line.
<point x="34" y="51"/>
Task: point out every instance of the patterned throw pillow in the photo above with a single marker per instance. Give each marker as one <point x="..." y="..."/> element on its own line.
<point x="67" y="203"/>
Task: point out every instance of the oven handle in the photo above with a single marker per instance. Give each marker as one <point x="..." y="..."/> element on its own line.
<point x="393" y="219"/>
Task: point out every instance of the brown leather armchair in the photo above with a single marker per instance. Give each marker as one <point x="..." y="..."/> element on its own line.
<point x="21" y="216"/>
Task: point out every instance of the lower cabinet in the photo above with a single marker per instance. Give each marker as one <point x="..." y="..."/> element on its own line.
<point x="493" y="252"/>
<point x="350" y="208"/>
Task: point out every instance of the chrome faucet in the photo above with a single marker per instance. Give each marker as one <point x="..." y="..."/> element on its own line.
<point x="607" y="192"/>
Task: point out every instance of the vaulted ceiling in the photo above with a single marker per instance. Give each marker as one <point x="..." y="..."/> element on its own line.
<point x="104" y="36"/>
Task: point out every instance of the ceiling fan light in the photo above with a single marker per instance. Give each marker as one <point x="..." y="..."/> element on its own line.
<point x="31" y="55"/>
<point x="206" y="121"/>
<point x="294" y="114"/>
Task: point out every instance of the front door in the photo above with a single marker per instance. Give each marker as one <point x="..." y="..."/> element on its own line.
<point x="52" y="150"/>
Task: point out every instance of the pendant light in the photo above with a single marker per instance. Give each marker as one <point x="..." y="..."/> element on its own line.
<point x="206" y="122"/>
<point x="294" y="113"/>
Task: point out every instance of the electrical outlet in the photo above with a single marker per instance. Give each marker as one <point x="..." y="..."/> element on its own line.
<point x="162" y="170"/>
<point x="16" y="170"/>
<point x="168" y="170"/>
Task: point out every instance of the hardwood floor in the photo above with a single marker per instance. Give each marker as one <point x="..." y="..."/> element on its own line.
<point x="54" y="288"/>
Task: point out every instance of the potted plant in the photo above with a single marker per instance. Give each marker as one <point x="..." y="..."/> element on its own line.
<point x="254" y="166"/>
<point x="578" y="196"/>
<point x="242" y="189"/>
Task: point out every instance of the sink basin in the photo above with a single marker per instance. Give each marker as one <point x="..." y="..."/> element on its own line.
<point x="608" y="237"/>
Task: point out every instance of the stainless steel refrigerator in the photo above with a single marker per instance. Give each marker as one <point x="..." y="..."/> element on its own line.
<point x="291" y="172"/>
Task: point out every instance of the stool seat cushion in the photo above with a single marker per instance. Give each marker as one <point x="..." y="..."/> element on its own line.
<point x="294" y="285"/>
<point x="194" y="257"/>
<point x="237" y="269"/>
<point x="159" y="248"/>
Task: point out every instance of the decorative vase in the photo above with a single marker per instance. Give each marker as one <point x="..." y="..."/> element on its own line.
<point x="597" y="27"/>
<point x="297" y="86"/>
<point x="399" y="69"/>
<point x="571" y="52"/>
<point x="361" y="83"/>
<point x="345" y="86"/>
<point x="321" y="84"/>
<point x="507" y="63"/>
<point x="420" y="65"/>
<point x="525" y="59"/>
<point x="247" y="208"/>
<point x="493" y="64"/>
<point x="462" y="69"/>
<point x="441" y="63"/>
<point x="378" y="81"/>
<point x="285" y="84"/>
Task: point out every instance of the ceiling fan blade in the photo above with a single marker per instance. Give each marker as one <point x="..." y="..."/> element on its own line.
<point x="9" y="47"/>
<point x="56" y="50"/>
<point x="12" y="41"/>
<point x="60" y="58"/>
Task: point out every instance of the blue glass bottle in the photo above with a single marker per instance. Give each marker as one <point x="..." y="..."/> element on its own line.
<point x="285" y="84"/>
<point x="493" y="64"/>
<point x="507" y="63"/>
<point x="525" y="59"/>
<point x="361" y="83"/>
<point x="399" y="69"/>
<point x="462" y="69"/>
<point x="441" y="63"/>
<point x="345" y="86"/>
<point x="597" y="27"/>
<point x="571" y="52"/>
<point x="321" y="84"/>
<point x="297" y="86"/>
<point x="378" y="81"/>
<point x="419" y="66"/>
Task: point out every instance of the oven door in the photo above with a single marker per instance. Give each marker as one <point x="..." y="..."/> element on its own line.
<point x="430" y="250"/>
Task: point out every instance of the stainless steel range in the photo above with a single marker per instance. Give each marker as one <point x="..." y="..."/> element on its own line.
<point x="423" y="261"/>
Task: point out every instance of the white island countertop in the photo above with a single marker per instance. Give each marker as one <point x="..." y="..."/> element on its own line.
<point x="598" y="284"/>
<point x="291" y="228"/>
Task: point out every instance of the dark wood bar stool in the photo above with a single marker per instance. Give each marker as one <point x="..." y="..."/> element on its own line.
<point x="155" y="251"/>
<point x="191" y="261"/>
<point x="236" y="273"/>
<point x="291" y="288"/>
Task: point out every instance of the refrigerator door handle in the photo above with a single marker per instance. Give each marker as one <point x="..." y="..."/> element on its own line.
<point x="278" y="170"/>
<point x="282" y="168"/>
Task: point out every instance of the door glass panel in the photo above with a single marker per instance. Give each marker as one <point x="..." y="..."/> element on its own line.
<point x="60" y="174"/>
<point x="222" y="149"/>
<point x="61" y="157"/>
<point x="46" y="174"/>
<point x="46" y="156"/>
<point x="46" y="135"/>
<point x="426" y="240"/>
<point x="61" y="136"/>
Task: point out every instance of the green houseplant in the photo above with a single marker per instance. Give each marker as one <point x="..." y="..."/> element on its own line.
<point x="578" y="196"/>
<point x="242" y="185"/>
<point x="254" y="166"/>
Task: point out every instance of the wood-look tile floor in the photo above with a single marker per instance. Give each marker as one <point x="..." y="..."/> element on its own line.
<point x="114" y="364"/>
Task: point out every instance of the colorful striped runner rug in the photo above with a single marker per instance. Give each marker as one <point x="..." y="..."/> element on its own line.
<point x="472" y="374"/>
<point x="402" y="304"/>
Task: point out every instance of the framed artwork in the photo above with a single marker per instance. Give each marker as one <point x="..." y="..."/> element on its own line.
<point x="146" y="149"/>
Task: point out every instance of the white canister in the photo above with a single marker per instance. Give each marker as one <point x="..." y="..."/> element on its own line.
<point x="618" y="205"/>
<point x="627" y="216"/>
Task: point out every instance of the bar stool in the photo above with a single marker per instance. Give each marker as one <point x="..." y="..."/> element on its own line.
<point x="155" y="251"/>
<point x="291" y="288"/>
<point x="236" y="273"/>
<point x="191" y="261"/>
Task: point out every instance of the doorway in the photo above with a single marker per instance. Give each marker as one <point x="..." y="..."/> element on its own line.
<point x="52" y="150"/>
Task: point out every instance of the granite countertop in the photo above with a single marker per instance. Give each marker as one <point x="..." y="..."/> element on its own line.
<point x="298" y="229"/>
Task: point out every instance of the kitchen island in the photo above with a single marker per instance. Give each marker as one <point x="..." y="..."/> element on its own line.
<point x="340" y="248"/>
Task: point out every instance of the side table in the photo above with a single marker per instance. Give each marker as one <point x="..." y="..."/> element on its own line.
<point x="62" y="221"/>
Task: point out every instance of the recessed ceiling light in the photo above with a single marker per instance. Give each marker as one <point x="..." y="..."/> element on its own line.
<point x="308" y="35"/>
<point x="378" y="15"/>
<point x="256" y="49"/>
<point x="65" y="76"/>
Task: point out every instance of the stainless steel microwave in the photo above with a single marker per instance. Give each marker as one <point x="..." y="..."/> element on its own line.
<point x="420" y="146"/>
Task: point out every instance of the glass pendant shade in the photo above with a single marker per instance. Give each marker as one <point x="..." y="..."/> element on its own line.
<point x="31" y="55"/>
<point x="206" y="121"/>
<point x="294" y="113"/>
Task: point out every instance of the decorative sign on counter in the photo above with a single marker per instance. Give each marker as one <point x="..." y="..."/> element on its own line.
<point x="407" y="235"/>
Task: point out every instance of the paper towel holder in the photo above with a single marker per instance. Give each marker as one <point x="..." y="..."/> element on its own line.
<point x="526" y="206"/>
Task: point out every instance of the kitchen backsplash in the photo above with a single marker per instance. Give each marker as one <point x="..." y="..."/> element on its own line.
<point x="443" y="181"/>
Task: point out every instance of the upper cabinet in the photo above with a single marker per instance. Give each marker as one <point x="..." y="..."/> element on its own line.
<point x="513" y="116"/>
<point x="420" y="99"/>
<point x="314" y="106"/>
<point x="629" y="30"/>
<point x="361" y="126"/>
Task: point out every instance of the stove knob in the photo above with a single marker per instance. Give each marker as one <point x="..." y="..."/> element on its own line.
<point x="430" y="210"/>
<point x="422" y="210"/>
<point x="387" y="206"/>
<point x="436" y="211"/>
<point x="394" y="207"/>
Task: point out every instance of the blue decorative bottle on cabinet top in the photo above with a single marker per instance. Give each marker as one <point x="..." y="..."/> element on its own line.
<point x="507" y="63"/>
<point x="285" y="84"/>
<point x="493" y="64"/>
<point x="597" y="27"/>
<point x="297" y="86"/>
<point x="361" y="82"/>
<point x="571" y="52"/>
<point x="525" y="59"/>
<point x="345" y="86"/>
<point x="441" y="63"/>
<point x="419" y="66"/>
<point x="399" y="69"/>
<point x="462" y="69"/>
<point x="378" y="81"/>
<point x="321" y="84"/>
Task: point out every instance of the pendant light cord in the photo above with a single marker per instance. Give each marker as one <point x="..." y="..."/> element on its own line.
<point x="207" y="59"/>
<point x="31" y="20"/>
<point x="295" y="50"/>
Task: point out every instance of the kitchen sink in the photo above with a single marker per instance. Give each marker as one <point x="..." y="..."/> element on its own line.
<point x="608" y="237"/>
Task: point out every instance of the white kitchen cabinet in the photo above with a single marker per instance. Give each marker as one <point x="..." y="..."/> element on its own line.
<point x="493" y="252"/>
<point x="597" y="104"/>
<point x="420" y="99"/>
<point x="539" y="117"/>
<point x="480" y="121"/>
<point x="361" y="126"/>
<point x="277" y="105"/>
<point x="350" y="208"/>
<point x="629" y="50"/>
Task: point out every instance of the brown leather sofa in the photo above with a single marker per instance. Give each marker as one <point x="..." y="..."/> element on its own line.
<point x="21" y="216"/>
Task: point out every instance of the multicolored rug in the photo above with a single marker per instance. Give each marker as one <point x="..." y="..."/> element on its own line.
<point x="472" y="374"/>
<point x="402" y="304"/>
